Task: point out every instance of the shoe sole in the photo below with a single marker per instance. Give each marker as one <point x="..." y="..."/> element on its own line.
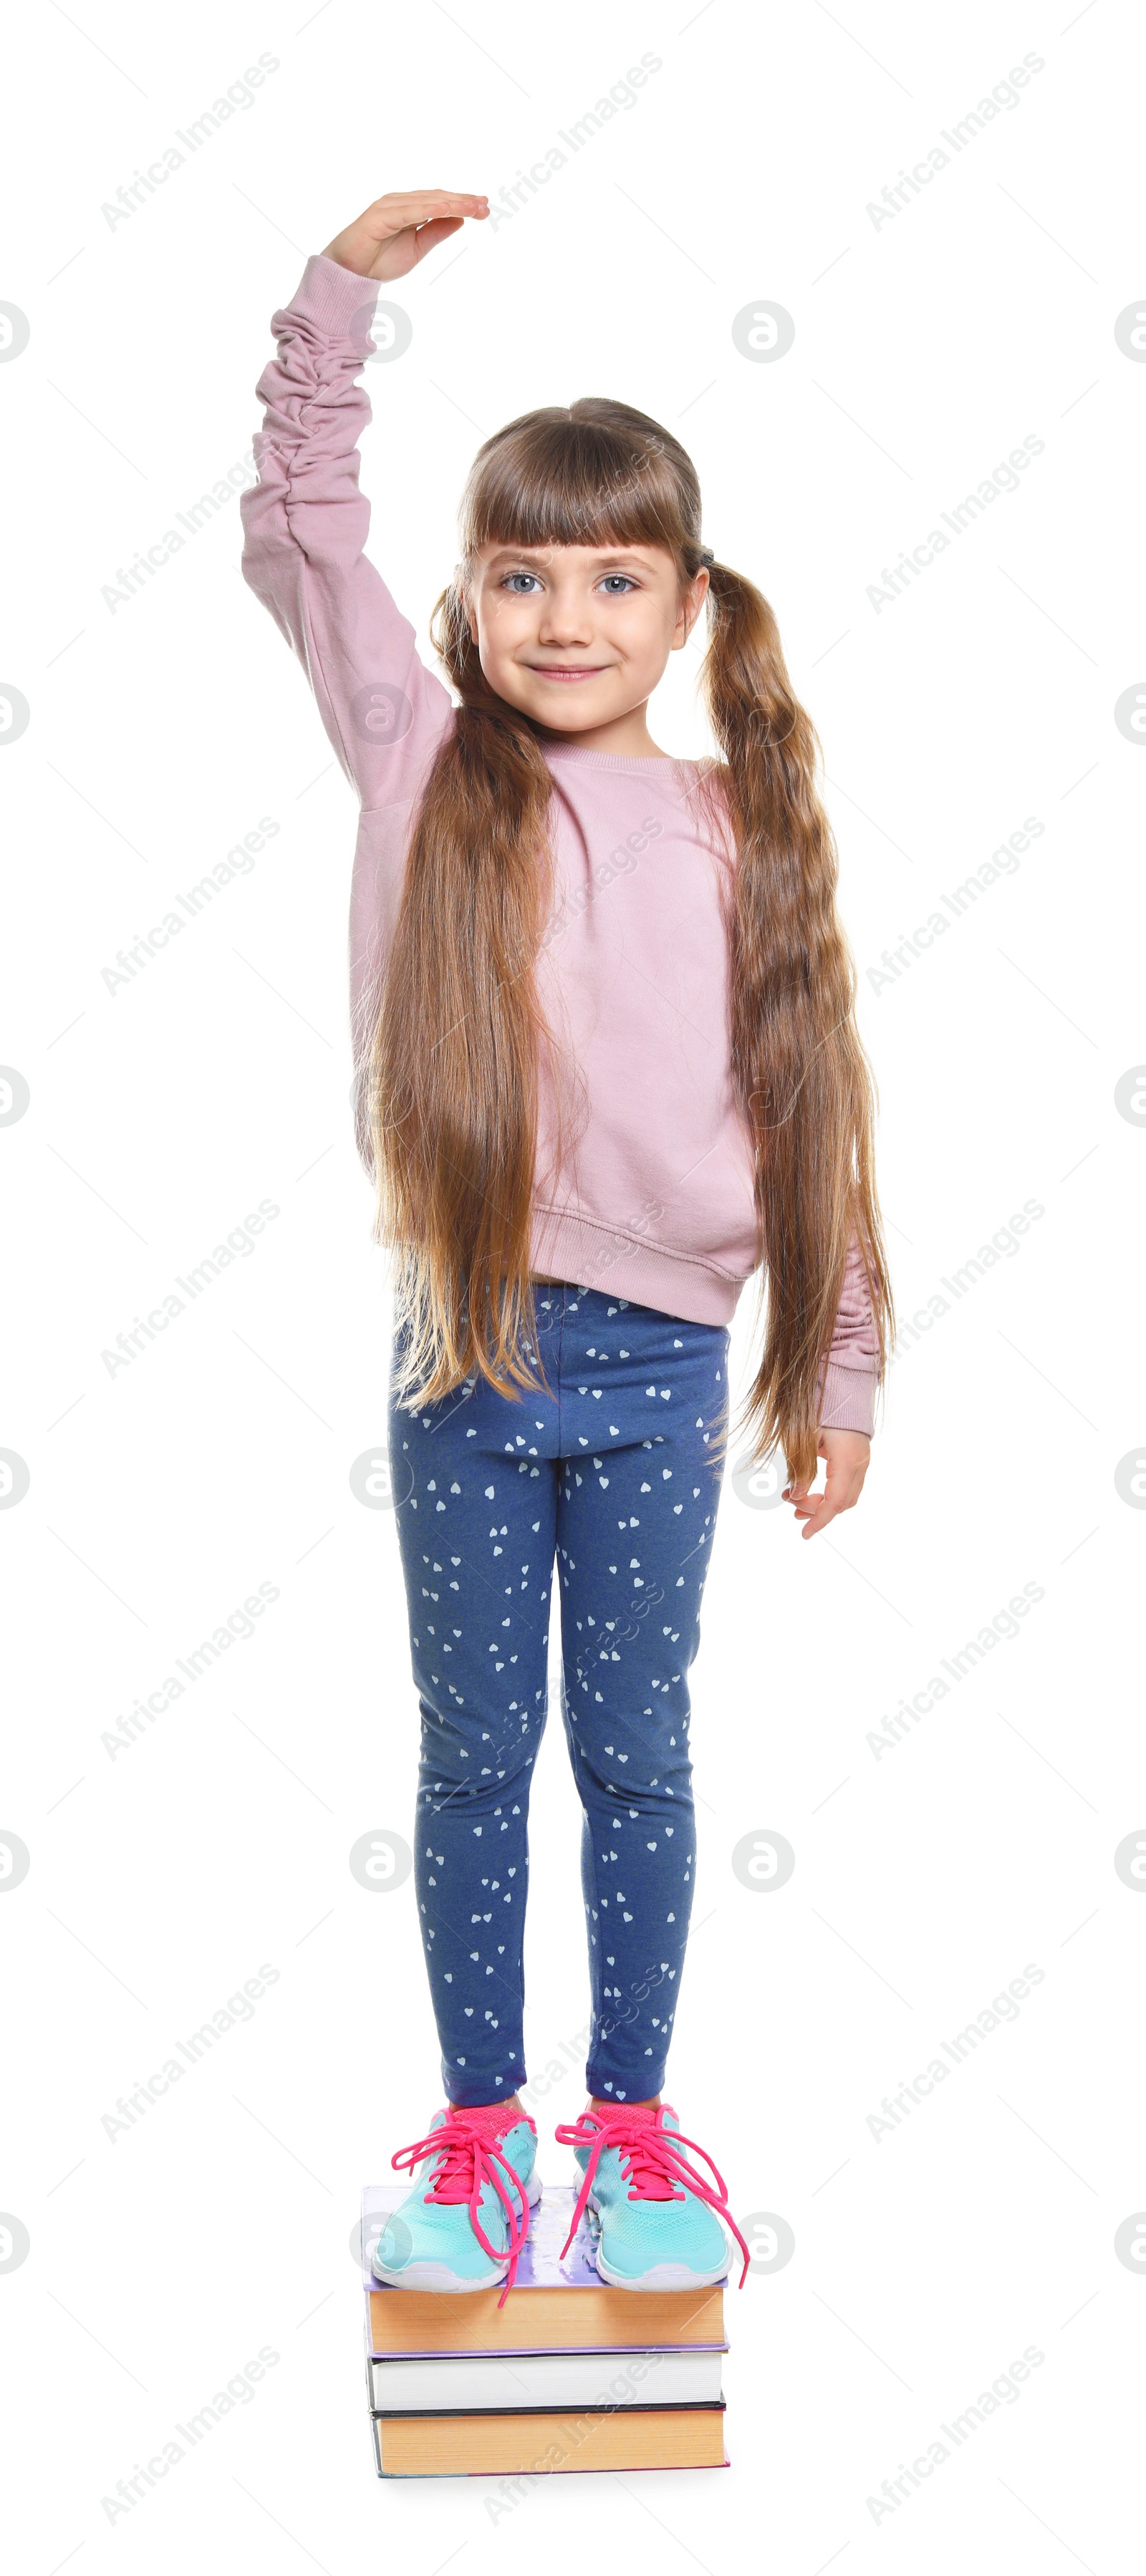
<point x="438" y="2278"/>
<point x="660" y="2276"/>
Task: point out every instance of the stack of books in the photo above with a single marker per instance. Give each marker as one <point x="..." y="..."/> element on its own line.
<point x="568" y="2374"/>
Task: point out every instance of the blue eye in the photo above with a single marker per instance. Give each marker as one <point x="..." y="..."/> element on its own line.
<point x="511" y="580"/>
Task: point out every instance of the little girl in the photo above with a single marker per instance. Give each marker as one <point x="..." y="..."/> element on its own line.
<point x="607" y="1068"/>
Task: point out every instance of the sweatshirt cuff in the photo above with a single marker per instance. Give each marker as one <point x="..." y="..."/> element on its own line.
<point x="847" y="1400"/>
<point x="339" y="303"/>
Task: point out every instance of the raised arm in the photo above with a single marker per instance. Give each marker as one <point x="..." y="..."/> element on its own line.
<point x="305" y="521"/>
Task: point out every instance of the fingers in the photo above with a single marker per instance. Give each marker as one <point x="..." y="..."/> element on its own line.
<point x="437" y="230"/>
<point x="419" y="205"/>
<point x="843" y="1486"/>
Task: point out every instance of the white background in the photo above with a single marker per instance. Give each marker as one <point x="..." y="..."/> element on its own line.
<point x="161" y="730"/>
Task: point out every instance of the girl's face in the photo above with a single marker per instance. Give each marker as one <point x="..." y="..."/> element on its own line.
<point x="577" y="636"/>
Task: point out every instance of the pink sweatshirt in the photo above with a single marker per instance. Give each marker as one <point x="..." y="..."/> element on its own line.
<point x="656" y="1202"/>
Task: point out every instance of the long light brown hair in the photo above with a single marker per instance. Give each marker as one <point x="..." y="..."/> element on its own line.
<point x="460" y="1032"/>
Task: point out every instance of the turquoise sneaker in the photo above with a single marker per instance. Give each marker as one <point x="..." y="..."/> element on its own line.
<point x="654" y="2216"/>
<point x="467" y="2218"/>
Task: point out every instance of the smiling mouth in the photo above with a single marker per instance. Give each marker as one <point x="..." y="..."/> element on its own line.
<point x="568" y="671"/>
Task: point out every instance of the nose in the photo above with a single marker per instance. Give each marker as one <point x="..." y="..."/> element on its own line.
<point x="566" y="617"/>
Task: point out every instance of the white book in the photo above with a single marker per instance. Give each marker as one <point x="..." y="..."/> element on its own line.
<point x="468" y="2383"/>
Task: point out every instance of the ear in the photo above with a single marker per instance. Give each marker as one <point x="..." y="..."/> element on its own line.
<point x="690" y="608"/>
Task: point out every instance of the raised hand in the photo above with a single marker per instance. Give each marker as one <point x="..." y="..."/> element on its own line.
<point x="397" y="231"/>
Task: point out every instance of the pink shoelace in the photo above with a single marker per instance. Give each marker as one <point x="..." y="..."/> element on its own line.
<point x="652" y="2163"/>
<point x="469" y="2157"/>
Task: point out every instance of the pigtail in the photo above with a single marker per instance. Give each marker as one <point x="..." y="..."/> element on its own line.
<point x="801" y="1071"/>
<point x="454" y="1071"/>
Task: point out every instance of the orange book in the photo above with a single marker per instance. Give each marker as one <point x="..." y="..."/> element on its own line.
<point x="647" y="2437"/>
<point x="535" y="2319"/>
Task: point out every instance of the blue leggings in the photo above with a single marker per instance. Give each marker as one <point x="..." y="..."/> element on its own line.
<point x="614" y="1471"/>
